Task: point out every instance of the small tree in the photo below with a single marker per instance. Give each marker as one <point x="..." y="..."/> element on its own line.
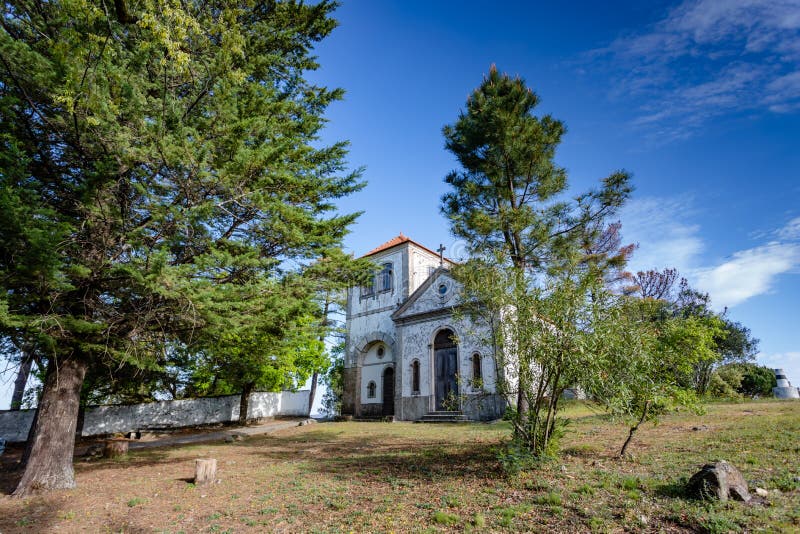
<point x="649" y="351"/>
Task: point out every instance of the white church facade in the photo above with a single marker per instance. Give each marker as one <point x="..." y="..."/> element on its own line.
<point x="408" y="353"/>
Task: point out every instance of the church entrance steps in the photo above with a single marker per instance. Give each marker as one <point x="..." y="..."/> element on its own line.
<point x="444" y="417"/>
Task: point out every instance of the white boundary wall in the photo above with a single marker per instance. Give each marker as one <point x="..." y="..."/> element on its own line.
<point x="14" y="425"/>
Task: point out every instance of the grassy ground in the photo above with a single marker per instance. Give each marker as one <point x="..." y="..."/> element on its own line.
<point x="382" y="477"/>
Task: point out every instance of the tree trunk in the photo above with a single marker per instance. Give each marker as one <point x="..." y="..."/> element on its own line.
<point x="244" y="403"/>
<point x="313" y="391"/>
<point x="21" y="381"/>
<point x="633" y="429"/>
<point x="52" y="445"/>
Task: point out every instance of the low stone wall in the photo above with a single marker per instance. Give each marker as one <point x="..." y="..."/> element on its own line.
<point x="14" y="425"/>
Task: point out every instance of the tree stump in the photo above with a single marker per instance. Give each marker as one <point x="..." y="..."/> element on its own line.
<point x="205" y="471"/>
<point x="115" y="448"/>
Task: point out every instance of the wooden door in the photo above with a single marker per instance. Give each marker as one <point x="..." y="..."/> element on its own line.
<point x="388" y="391"/>
<point x="445" y="370"/>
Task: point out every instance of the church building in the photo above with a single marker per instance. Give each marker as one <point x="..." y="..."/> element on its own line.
<point x="407" y="354"/>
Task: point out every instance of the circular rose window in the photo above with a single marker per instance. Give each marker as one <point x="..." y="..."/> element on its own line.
<point x="442" y="289"/>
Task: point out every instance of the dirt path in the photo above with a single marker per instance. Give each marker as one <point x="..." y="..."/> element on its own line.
<point x="230" y="434"/>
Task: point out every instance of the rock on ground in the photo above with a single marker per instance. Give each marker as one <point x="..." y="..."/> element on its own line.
<point x="718" y="480"/>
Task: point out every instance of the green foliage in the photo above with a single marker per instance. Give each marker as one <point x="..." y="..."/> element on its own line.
<point x="444" y="518"/>
<point x="551" y="498"/>
<point x="515" y="457"/>
<point x="160" y="172"/>
<point x="757" y="381"/>
<point x="334" y="380"/>
<point x="535" y="271"/>
<point x="725" y="382"/>
<point x="505" y="196"/>
<point x="742" y="379"/>
<point x="649" y="351"/>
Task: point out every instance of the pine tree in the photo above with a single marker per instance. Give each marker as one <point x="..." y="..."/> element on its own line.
<point x="535" y="263"/>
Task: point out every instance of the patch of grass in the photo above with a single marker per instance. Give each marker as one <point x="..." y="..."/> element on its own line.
<point x="451" y="501"/>
<point x="597" y="524"/>
<point x="509" y="513"/>
<point x="785" y="482"/>
<point x="714" y="523"/>
<point x="444" y="518"/>
<point x="136" y="501"/>
<point x="550" y="499"/>
<point x="336" y="504"/>
<point x="630" y="483"/>
<point x="534" y="485"/>
<point x="584" y="489"/>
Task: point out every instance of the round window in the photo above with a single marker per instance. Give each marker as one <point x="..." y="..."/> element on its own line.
<point x="380" y="352"/>
<point x="442" y="289"/>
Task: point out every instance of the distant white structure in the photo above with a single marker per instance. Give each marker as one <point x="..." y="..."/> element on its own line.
<point x="784" y="389"/>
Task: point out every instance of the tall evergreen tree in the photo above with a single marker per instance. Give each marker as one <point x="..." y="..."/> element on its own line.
<point x="159" y="170"/>
<point x="508" y="193"/>
<point x="508" y="202"/>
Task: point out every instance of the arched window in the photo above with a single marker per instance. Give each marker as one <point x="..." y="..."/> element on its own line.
<point x="477" y="373"/>
<point x="415" y="376"/>
<point x="385" y="277"/>
<point x="371" y="390"/>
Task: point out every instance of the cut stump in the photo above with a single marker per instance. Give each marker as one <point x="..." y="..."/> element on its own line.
<point x="205" y="471"/>
<point x="115" y="448"/>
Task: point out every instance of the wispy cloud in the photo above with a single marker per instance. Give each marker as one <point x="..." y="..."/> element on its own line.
<point x="748" y="273"/>
<point x="667" y="238"/>
<point x="705" y="58"/>
<point x="791" y="231"/>
<point x="664" y="238"/>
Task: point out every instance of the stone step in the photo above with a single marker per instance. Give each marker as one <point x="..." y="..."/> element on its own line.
<point x="444" y="417"/>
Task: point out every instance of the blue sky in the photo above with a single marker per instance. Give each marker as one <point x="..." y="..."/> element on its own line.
<point x="699" y="100"/>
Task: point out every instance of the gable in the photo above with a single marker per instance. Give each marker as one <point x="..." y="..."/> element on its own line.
<point x="439" y="293"/>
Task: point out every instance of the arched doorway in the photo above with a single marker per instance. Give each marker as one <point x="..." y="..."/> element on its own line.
<point x="388" y="391"/>
<point x="445" y="358"/>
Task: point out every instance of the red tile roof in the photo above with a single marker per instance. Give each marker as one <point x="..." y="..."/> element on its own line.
<point x="399" y="240"/>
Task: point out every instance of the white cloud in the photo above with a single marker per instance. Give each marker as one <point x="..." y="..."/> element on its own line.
<point x="788" y="361"/>
<point x="666" y="237"/>
<point x="747" y="273"/>
<point x="705" y="58"/>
